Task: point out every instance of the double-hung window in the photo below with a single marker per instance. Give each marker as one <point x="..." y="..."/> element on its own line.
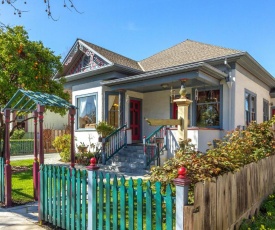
<point x="250" y="107"/>
<point x="208" y="108"/>
<point x="87" y="111"/>
<point x="265" y="110"/>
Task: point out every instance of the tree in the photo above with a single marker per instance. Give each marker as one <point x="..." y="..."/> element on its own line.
<point x="28" y="65"/>
<point x="66" y="3"/>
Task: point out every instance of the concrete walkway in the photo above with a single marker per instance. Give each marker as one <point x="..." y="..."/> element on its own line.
<point x="23" y="217"/>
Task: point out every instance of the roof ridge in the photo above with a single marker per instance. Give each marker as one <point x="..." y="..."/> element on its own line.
<point x="164" y="50"/>
<point x="106" y="49"/>
<point x="217" y="46"/>
<point x="189" y="40"/>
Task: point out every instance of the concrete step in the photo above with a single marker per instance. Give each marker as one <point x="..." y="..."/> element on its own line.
<point x="129" y="159"/>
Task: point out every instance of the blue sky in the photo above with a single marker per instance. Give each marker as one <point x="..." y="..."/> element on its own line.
<point x="140" y="28"/>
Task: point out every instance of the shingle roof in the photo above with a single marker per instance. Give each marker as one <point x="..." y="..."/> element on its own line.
<point x="114" y="57"/>
<point x="185" y="52"/>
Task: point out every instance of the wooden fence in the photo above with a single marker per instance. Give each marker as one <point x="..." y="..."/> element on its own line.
<point x="63" y="197"/>
<point x="48" y="137"/>
<point x="2" y="181"/>
<point x="227" y="200"/>
<point x="128" y="204"/>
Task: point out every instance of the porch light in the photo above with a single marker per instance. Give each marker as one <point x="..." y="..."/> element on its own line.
<point x="164" y="86"/>
<point x="196" y="94"/>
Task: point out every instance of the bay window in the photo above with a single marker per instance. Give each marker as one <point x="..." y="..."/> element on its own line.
<point x="87" y="111"/>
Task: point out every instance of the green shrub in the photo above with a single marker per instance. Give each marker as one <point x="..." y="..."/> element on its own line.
<point x="234" y="151"/>
<point x="18" y="134"/>
<point x="21" y="146"/>
<point x="62" y="145"/>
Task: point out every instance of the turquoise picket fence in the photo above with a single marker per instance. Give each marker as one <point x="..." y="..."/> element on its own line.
<point x="63" y="197"/>
<point x="2" y="181"/>
<point x="130" y="204"/>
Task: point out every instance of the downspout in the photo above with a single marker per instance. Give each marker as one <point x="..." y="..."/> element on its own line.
<point x="229" y="82"/>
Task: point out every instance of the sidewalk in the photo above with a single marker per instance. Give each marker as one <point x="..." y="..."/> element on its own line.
<point x="23" y="217"/>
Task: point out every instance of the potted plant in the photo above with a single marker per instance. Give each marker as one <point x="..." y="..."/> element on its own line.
<point x="82" y="147"/>
<point x="104" y="129"/>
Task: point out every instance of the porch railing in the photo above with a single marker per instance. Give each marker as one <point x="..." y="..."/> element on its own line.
<point x="154" y="144"/>
<point x="113" y="143"/>
<point x="2" y="182"/>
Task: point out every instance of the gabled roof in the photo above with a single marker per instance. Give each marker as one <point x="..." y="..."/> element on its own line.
<point x="113" y="57"/>
<point x="185" y="52"/>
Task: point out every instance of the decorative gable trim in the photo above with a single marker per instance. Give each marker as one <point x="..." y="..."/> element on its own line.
<point x="87" y="59"/>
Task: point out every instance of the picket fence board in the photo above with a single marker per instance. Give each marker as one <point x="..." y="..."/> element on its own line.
<point x="131" y="204"/>
<point x="169" y="208"/>
<point x="188" y="217"/>
<point x="115" y="203"/>
<point x="139" y="204"/>
<point x="148" y="203"/>
<point x="108" y="201"/>
<point x="199" y="206"/>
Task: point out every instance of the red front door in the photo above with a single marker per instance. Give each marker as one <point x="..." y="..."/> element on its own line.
<point x="135" y="119"/>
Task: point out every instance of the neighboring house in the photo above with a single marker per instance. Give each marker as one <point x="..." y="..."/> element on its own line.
<point x="228" y="87"/>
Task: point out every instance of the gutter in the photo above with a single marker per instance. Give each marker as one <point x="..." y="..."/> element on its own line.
<point x="168" y="71"/>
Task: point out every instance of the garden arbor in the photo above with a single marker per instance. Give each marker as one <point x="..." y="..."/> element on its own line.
<point x="35" y="103"/>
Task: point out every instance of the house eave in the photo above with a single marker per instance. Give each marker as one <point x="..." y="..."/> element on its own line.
<point x="251" y="65"/>
<point x="199" y="66"/>
<point x="105" y="69"/>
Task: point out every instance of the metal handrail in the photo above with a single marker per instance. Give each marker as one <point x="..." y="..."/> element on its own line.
<point x="113" y="143"/>
<point x="154" y="144"/>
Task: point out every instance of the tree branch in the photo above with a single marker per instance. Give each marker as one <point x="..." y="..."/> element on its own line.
<point x="19" y="12"/>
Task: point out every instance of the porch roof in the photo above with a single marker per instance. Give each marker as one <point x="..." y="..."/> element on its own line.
<point x="198" y="73"/>
<point x="27" y="101"/>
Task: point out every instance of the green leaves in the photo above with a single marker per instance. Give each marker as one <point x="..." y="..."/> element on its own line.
<point x="27" y="64"/>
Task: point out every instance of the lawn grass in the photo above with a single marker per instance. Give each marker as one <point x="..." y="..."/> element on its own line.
<point x="22" y="183"/>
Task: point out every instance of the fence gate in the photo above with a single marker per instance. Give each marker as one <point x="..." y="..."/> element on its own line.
<point x="63" y="197"/>
<point x="129" y="204"/>
<point x="2" y="180"/>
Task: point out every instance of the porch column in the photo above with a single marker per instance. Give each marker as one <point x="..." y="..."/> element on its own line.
<point x="40" y="110"/>
<point x="35" y="163"/>
<point x="7" y="158"/>
<point x="183" y="104"/>
<point x="72" y="113"/>
<point x="120" y="108"/>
